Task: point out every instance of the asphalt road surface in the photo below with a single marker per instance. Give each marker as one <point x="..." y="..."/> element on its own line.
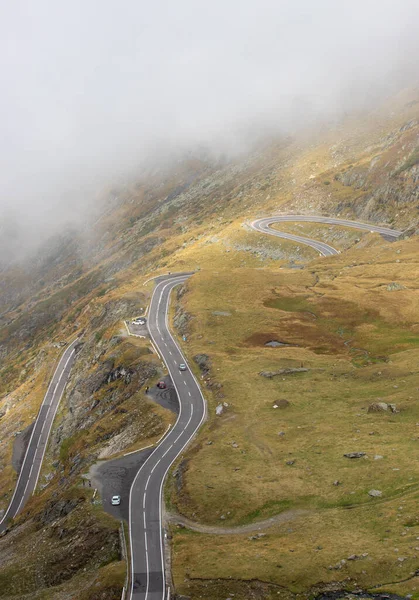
<point x="32" y="462"/>
<point x="145" y="501"/>
<point x="263" y="226"/>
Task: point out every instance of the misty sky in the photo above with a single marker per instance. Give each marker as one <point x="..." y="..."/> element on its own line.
<point x="90" y="88"/>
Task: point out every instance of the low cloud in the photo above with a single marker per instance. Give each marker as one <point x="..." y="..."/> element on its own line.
<point x="92" y="89"/>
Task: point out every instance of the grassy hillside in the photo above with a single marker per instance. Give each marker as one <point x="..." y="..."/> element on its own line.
<point x="279" y="446"/>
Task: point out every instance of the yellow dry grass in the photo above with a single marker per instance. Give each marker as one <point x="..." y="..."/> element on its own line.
<point x="360" y="342"/>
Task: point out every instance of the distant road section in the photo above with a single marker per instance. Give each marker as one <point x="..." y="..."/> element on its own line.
<point x="32" y="462"/>
<point x="264" y="226"/>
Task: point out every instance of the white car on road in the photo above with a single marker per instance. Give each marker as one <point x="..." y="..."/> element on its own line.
<point x="116" y="500"/>
<point x="140" y="321"/>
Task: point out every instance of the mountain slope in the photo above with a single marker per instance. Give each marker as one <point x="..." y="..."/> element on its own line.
<point x="351" y="320"/>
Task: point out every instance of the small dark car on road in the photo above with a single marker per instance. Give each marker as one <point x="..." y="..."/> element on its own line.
<point x="161" y="385"/>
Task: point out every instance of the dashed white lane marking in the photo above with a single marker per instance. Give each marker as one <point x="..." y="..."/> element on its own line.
<point x="189" y="393"/>
<point x="186" y="426"/>
<point x="144" y="527"/>
<point x="169" y="448"/>
<point x="144" y="501"/>
<point x="147" y="481"/>
<point x="155" y="465"/>
<point x="175" y="362"/>
<point x="185" y="382"/>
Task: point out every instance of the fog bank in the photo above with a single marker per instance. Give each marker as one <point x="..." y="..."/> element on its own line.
<point x="92" y="89"/>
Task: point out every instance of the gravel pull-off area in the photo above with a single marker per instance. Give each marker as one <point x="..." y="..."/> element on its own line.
<point x="167" y="397"/>
<point x="115" y="477"/>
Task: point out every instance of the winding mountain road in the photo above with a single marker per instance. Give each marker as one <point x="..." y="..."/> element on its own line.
<point x="145" y="501"/>
<point x="264" y="226"/>
<point x="32" y="462"/>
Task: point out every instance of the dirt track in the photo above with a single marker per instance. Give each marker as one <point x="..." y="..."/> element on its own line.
<point x="284" y="517"/>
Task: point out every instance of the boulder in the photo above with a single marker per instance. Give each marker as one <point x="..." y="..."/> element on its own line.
<point x="378" y="407"/>
<point x="354" y="455"/>
<point x="394" y="287"/>
<point x="203" y="362"/>
<point x="219" y="410"/>
<point x="375" y="493"/>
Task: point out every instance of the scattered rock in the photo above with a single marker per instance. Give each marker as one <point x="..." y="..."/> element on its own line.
<point x="378" y="457"/>
<point x="57" y="510"/>
<point x="181" y="321"/>
<point x="354" y="455"/>
<point x="378" y="407"/>
<point x="282" y="403"/>
<point x="257" y="536"/>
<point x="337" y="482"/>
<point x="203" y="362"/>
<point x="219" y="410"/>
<point x="290" y="462"/>
<point x="375" y="493"/>
<point x="281" y="433"/>
<point x="394" y="287"/>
